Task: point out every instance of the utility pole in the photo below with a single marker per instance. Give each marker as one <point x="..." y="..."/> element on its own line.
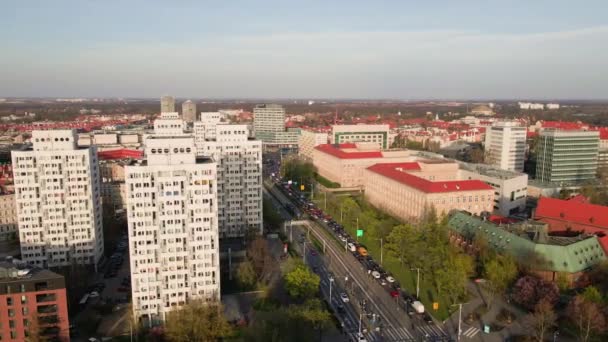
<point x="325" y="205"/>
<point x="381" y="248"/>
<point x="304" y="253"/>
<point x="417" y="282"/>
<point x="331" y="280"/>
<point x="357" y="231"/>
<point x="459" y="318"/>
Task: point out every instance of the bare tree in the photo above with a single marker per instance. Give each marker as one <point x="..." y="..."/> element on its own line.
<point x="587" y="318"/>
<point x="541" y="321"/>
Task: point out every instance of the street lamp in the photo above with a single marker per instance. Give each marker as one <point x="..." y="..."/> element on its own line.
<point x="417" y="281"/>
<point x="381" y="249"/>
<point x="331" y="280"/>
<point x="459" y="318"/>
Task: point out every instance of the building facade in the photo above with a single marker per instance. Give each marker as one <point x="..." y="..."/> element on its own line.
<point x="308" y="140"/>
<point x="377" y="134"/>
<point x="32" y="299"/>
<point x="8" y="218"/>
<point x="239" y="178"/>
<point x="567" y="156"/>
<point x="57" y="196"/>
<point x="408" y="190"/>
<point x="167" y="104"/>
<point x="510" y="188"/>
<point x="268" y="119"/>
<point x="169" y="124"/>
<point x="189" y="111"/>
<point x="173" y="228"/>
<point x="506" y="146"/>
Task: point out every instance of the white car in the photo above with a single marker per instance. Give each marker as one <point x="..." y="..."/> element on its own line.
<point x="376" y="274"/>
<point x="344" y="297"/>
<point x="94" y="294"/>
<point x="361" y="338"/>
<point x="390" y="279"/>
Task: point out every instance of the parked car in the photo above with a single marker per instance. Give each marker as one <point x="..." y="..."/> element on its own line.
<point x="376" y="275"/>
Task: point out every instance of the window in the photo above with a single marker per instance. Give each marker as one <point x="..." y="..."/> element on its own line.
<point x="9" y="301"/>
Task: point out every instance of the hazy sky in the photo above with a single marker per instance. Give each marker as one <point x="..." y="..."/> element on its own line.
<point x="306" y="49"/>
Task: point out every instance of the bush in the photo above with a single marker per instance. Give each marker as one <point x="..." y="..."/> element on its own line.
<point x="326" y="182"/>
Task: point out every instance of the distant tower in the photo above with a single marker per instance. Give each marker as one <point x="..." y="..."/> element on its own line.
<point x="189" y="111"/>
<point x="437" y="117"/>
<point x="167" y="104"/>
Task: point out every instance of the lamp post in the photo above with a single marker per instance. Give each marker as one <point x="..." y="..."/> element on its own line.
<point x="331" y="280"/>
<point x="459" y="318"/>
<point x="417" y="281"/>
<point x="381" y="250"/>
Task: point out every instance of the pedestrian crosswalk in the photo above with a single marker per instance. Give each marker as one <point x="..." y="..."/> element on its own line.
<point x="470" y="332"/>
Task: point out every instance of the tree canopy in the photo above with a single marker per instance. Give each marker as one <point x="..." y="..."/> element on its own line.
<point x="301" y="283"/>
<point x="197" y="321"/>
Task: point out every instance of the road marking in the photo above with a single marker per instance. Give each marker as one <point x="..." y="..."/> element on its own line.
<point x="471" y="332"/>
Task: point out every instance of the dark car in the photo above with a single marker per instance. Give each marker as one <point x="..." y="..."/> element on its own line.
<point x="427" y="318"/>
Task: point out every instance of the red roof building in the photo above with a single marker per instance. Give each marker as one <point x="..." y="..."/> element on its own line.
<point x="406" y="190"/>
<point x="575" y="216"/>
<point x="120" y="154"/>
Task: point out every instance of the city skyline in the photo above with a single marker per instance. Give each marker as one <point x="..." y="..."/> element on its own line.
<point x="545" y="50"/>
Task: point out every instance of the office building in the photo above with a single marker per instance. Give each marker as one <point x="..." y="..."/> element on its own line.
<point x="57" y="196"/>
<point x="239" y="177"/>
<point x="378" y="134"/>
<point x="269" y="126"/>
<point x="189" y="111"/>
<point x="173" y="228"/>
<point x="408" y="190"/>
<point x="505" y="146"/>
<point x="566" y="156"/>
<point x="167" y="104"/>
<point x="308" y="140"/>
<point x="33" y="303"/>
<point x="510" y="187"/>
<point x="344" y="163"/>
<point x="8" y="217"/>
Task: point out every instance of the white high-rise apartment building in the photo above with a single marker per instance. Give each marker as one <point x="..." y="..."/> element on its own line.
<point x="506" y="145"/>
<point x="169" y="124"/>
<point x="167" y="104"/>
<point x="239" y="174"/>
<point x="173" y="227"/>
<point x="58" y="202"/>
<point x="189" y="111"/>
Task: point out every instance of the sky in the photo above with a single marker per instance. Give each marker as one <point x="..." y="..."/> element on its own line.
<point x="403" y="49"/>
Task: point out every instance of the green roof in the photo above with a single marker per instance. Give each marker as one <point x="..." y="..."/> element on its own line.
<point x="561" y="254"/>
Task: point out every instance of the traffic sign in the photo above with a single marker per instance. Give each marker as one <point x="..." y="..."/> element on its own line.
<point x="359" y="232"/>
<point x="435" y="306"/>
<point x="302" y="187"/>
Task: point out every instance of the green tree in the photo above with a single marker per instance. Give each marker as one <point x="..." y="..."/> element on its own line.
<point x="349" y="209"/>
<point x="245" y="275"/>
<point x="197" y="321"/>
<point x="500" y="271"/>
<point x="453" y="276"/>
<point x="592" y="295"/>
<point x="314" y="313"/>
<point x="402" y="243"/>
<point x="369" y="222"/>
<point x="301" y="283"/>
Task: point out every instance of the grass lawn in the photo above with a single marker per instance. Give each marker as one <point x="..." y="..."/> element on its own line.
<point x="402" y="273"/>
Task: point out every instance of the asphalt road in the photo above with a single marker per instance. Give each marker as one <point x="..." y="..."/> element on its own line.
<point x="393" y="323"/>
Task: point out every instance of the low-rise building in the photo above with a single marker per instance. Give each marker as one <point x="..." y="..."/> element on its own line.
<point x="32" y="297"/>
<point x="8" y="218"/>
<point x="574" y="217"/>
<point x="510" y="187"/>
<point x="529" y="242"/>
<point x="408" y="190"/>
<point x="344" y="163"/>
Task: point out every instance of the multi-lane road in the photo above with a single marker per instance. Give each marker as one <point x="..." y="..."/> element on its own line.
<point x="383" y="317"/>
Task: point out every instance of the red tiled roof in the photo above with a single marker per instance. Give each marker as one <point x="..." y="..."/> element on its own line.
<point x="579" y="199"/>
<point x="391" y="170"/>
<point x="573" y="211"/>
<point x="339" y="153"/>
<point x="497" y="219"/>
<point x="120" y="154"/>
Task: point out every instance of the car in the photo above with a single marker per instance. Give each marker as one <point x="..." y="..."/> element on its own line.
<point x="376" y="275"/>
<point x="344" y="297"/>
<point x="94" y="294"/>
<point x="427" y="318"/>
<point x="394" y="294"/>
<point x="390" y="279"/>
<point x="361" y="337"/>
<point x="313" y="252"/>
<point x="382" y="281"/>
<point x="341" y="308"/>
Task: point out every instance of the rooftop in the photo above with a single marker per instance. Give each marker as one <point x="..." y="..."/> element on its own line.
<point x="489" y="171"/>
<point x="398" y="172"/>
<point x="348" y="151"/>
<point x="14" y="270"/>
<point x="528" y="240"/>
